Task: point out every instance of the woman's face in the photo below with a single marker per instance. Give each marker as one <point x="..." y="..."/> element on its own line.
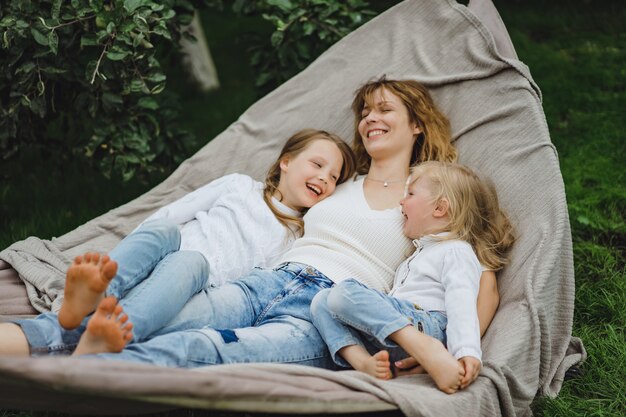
<point x="385" y="127"/>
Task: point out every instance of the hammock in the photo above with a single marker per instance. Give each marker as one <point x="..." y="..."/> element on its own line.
<point x="498" y="125"/>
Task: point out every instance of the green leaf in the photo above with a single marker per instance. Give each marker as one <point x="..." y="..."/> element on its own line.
<point x="168" y="14"/>
<point x="111" y="101"/>
<point x="157" y="89"/>
<point x="163" y="32"/>
<point x="285" y="5"/>
<point x="53" y="41"/>
<point x="148" y="103"/>
<point x="308" y="28"/>
<point x="277" y="38"/>
<point x="138" y="86"/>
<point x="110" y="28"/>
<point x="156" y="77"/>
<point x="41" y="87"/>
<point x="132" y="5"/>
<point x="26" y="67"/>
<point x="88" y="40"/>
<point x="56" y="8"/>
<point x="263" y="78"/>
<point x="7" y="21"/>
<point x="117" y="55"/>
<point x="40" y="38"/>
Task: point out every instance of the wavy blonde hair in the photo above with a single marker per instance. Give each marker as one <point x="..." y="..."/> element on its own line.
<point x="433" y="144"/>
<point x="293" y="147"/>
<point x="473" y="208"/>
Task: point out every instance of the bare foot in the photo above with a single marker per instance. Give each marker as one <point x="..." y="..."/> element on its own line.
<point x="108" y="330"/>
<point x="377" y="366"/>
<point x="443" y="368"/>
<point x="86" y="280"/>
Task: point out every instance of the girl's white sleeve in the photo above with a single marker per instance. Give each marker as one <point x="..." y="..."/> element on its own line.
<point x="461" y="280"/>
<point x="202" y="199"/>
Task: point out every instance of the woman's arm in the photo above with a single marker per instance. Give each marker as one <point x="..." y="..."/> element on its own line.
<point x="488" y="300"/>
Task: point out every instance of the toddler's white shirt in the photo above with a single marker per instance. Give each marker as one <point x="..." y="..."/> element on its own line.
<point x="444" y="275"/>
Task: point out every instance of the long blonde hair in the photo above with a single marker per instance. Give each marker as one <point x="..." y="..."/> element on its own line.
<point x="474" y="212"/>
<point x="433" y="144"/>
<point x="293" y="147"/>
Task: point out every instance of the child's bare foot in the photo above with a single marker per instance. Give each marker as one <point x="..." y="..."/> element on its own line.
<point x="108" y="330"/>
<point x="443" y="368"/>
<point x="85" y="283"/>
<point x="378" y="365"/>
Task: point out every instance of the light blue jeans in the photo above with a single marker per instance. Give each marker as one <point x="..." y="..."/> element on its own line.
<point x="352" y="314"/>
<point x="154" y="282"/>
<point x="262" y="317"/>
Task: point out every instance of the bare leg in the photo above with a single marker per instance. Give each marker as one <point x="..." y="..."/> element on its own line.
<point x="12" y="340"/>
<point x="107" y="330"/>
<point x="86" y="280"/>
<point x="377" y="366"/>
<point x="429" y="352"/>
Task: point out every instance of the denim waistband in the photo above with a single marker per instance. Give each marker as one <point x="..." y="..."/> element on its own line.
<point x="307" y="271"/>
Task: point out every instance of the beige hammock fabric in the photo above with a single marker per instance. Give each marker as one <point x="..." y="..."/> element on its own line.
<point x="499" y="128"/>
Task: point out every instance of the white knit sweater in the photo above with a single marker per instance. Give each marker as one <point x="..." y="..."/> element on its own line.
<point x="345" y="238"/>
<point x="228" y="221"/>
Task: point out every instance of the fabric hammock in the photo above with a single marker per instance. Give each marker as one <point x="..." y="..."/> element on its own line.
<point x="465" y="57"/>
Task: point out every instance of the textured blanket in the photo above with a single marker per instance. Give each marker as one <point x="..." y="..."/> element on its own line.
<point x="499" y="128"/>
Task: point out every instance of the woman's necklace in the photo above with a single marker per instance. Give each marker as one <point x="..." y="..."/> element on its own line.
<point x="385" y="183"/>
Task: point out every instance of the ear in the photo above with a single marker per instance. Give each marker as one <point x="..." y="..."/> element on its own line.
<point x="416" y="130"/>
<point x="441" y="208"/>
<point x="284" y="164"/>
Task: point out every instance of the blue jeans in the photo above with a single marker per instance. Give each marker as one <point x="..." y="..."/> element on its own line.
<point x="352" y="314"/>
<point x="262" y="317"/>
<point x="154" y="281"/>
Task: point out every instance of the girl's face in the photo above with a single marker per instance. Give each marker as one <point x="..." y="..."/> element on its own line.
<point x="418" y="207"/>
<point x="385" y="127"/>
<point x="310" y="176"/>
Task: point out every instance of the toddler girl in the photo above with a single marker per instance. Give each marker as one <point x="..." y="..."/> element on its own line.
<point x="456" y="226"/>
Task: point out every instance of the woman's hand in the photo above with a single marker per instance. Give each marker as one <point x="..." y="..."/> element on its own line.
<point x="408" y="366"/>
<point x="472" y="368"/>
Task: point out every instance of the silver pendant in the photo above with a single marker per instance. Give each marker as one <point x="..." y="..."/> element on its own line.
<point x="385" y="184"/>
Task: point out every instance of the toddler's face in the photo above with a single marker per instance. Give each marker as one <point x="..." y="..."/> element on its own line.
<point x="418" y="207"/>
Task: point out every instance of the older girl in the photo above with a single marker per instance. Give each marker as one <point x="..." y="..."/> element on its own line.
<point x="227" y="228"/>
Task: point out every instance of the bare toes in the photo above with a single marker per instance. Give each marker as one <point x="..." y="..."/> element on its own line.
<point x="108" y="305"/>
<point x="109" y="268"/>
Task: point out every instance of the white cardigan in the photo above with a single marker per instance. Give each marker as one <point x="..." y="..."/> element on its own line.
<point x="228" y="221"/>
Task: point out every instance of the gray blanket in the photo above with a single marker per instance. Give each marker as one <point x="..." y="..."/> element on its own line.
<point x="499" y="128"/>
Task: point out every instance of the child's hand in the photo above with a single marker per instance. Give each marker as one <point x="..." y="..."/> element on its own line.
<point x="472" y="368"/>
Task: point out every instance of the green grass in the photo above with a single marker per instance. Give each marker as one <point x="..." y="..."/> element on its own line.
<point x="576" y="53"/>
